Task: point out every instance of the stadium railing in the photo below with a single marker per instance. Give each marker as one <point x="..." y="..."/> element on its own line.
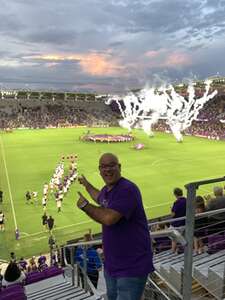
<point x="72" y="264"/>
<point x="212" y="267"/>
<point x="215" y="242"/>
<point x="189" y="231"/>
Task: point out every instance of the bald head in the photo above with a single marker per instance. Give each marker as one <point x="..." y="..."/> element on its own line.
<point x="218" y="191"/>
<point x="109" y="168"/>
<point x="109" y="156"/>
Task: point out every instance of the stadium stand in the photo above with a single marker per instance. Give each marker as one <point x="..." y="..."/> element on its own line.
<point x="31" y="109"/>
<point x="178" y="276"/>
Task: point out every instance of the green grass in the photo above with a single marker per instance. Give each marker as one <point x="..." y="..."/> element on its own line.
<point x="30" y="157"/>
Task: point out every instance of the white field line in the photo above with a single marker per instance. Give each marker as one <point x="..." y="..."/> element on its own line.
<point x="9" y="187"/>
<point x="155" y="162"/>
<point x="158" y="205"/>
<point x="24" y="233"/>
<point x="57" y="228"/>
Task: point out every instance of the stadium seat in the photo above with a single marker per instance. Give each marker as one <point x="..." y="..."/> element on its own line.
<point x="15" y="292"/>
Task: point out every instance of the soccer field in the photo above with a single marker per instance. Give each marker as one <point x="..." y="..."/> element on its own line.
<point x="28" y="159"/>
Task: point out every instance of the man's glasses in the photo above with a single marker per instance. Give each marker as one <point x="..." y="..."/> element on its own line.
<point x="109" y="166"/>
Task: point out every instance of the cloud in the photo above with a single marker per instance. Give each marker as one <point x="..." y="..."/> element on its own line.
<point x="98" y="64"/>
<point x="92" y="63"/>
<point x="177" y="59"/>
<point x="111" y="43"/>
<point x="163" y="58"/>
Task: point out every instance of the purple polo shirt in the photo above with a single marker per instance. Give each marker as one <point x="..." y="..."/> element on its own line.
<point x="179" y="209"/>
<point x="127" y="246"/>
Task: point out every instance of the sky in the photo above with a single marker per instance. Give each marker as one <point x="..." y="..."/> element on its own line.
<point x="106" y="46"/>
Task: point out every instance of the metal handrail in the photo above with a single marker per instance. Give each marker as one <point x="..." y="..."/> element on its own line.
<point x="189" y="230"/>
<point x="88" y="285"/>
<point x="203" y="214"/>
<point x="170" y="232"/>
<point x="175" y="234"/>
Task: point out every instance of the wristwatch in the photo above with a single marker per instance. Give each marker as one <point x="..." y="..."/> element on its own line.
<point x="83" y="204"/>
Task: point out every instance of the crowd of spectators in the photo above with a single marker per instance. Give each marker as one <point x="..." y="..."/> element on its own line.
<point x="55" y="115"/>
<point x="17" y="270"/>
<point x="206" y="225"/>
<point x="213" y="110"/>
<point x="208" y="129"/>
<point x="210" y="122"/>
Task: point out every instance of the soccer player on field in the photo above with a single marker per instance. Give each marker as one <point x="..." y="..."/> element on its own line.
<point x="44" y="202"/>
<point x="28" y="197"/>
<point x="45" y="189"/>
<point x="44" y="221"/>
<point x="35" y="197"/>
<point x="2" y="221"/>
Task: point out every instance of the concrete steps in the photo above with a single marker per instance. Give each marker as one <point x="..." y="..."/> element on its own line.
<point x="57" y="288"/>
<point x="208" y="271"/>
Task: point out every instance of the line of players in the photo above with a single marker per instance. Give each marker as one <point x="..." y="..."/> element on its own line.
<point x="59" y="184"/>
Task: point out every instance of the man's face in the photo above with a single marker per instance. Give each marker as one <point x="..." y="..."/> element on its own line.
<point x="109" y="168"/>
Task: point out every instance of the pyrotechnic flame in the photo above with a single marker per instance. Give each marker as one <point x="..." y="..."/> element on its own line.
<point x="149" y="105"/>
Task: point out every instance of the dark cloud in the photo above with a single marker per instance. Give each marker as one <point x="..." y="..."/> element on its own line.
<point x="113" y="33"/>
<point x="115" y="44"/>
<point x="52" y="36"/>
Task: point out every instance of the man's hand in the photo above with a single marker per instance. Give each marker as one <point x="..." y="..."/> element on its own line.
<point x="82" y="180"/>
<point x="81" y="200"/>
<point x="92" y="191"/>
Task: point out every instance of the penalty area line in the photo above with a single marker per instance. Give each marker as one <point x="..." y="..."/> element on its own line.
<point x="55" y="229"/>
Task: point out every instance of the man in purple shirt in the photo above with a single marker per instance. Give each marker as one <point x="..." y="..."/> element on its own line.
<point x="126" y="238"/>
<point x="178" y="210"/>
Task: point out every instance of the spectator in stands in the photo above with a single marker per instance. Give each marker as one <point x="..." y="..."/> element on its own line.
<point x="217" y="192"/>
<point x="13" y="274"/>
<point x="22" y="264"/>
<point x="126" y="238"/>
<point x="32" y="267"/>
<point x="1" y="277"/>
<point x="42" y="262"/>
<point x="160" y="243"/>
<point x="51" y="241"/>
<point x="178" y="210"/>
<point x="55" y="256"/>
<point x="200" y="223"/>
<point x="12" y="256"/>
<point x="93" y="264"/>
<point x="218" y="202"/>
<point x="2" y="221"/>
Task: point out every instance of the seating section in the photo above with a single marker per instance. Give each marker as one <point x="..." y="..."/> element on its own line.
<point x="208" y="267"/>
<point x="13" y="292"/>
<point x="37" y="276"/>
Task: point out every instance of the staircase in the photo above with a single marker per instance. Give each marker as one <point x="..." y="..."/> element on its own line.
<point x="56" y="288"/>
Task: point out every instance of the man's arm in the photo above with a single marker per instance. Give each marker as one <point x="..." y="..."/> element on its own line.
<point x="105" y="216"/>
<point x="92" y="191"/>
